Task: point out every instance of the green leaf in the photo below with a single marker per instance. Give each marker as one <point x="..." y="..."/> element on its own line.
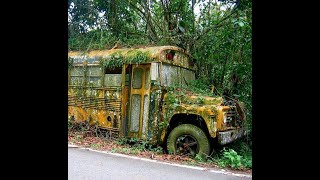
<point x="241" y="24"/>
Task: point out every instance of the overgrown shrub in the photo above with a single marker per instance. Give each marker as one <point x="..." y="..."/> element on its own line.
<point x="230" y="158"/>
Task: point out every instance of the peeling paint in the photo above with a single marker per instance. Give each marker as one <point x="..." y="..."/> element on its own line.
<point x="139" y="100"/>
<point x="230" y="136"/>
<point x="211" y="109"/>
<point x="155" y="54"/>
<point x="145" y="114"/>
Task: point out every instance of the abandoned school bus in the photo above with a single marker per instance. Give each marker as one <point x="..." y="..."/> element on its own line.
<point x="128" y="92"/>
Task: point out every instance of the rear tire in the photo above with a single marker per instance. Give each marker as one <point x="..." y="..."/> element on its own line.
<point x="188" y="139"/>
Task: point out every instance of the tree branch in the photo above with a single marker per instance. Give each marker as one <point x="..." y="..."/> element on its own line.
<point x="145" y="18"/>
<point x="207" y="30"/>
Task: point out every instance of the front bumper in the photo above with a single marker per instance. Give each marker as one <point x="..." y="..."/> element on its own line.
<point x="229" y="136"/>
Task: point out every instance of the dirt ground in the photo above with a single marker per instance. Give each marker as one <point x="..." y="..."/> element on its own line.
<point x="88" y="140"/>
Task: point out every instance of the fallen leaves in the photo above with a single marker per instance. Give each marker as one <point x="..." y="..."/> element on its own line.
<point x="85" y="139"/>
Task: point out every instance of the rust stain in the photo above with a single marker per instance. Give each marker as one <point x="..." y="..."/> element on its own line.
<point x="156" y="54"/>
<point x="107" y="100"/>
<point x="211" y="109"/>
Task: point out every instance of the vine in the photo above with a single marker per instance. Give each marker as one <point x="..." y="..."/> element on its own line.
<point x="70" y="62"/>
<point x="113" y="61"/>
<point x="117" y="59"/>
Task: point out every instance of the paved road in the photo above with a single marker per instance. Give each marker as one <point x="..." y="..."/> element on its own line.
<point x="84" y="164"/>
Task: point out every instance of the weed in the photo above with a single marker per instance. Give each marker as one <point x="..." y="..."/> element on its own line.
<point x="78" y="137"/>
<point x="135" y="151"/>
<point x="163" y="125"/>
<point x="200" y="100"/>
<point x="121" y="141"/>
<point x="95" y="146"/>
<point x="199" y="158"/>
<point x="125" y="150"/>
<point x="247" y="162"/>
<point x="114" y="150"/>
<point x="230" y="158"/>
<point x="132" y="141"/>
<point x="243" y="148"/>
<point x="191" y="163"/>
<point x="157" y="149"/>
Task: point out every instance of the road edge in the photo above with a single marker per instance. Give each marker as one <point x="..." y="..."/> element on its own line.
<point x="222" y="171"/>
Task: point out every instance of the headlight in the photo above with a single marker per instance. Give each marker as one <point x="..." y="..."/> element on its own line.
<point x="224" y="118"/>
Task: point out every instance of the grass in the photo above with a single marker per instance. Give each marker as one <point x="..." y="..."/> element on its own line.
<point x="237" y="155"/>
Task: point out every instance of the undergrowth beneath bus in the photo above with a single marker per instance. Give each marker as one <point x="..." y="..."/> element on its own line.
<point x="236" y="156"/>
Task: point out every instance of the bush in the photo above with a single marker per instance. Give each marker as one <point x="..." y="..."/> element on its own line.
<point x="230" y="158"/>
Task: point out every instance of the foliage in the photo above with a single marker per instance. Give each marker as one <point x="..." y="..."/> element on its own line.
<point x="200" y="100"/>
<point x="218" y="35"/>
<point x="244" y="148"/>
<point x="117" y="59"/>
<point x="70" y="122"/>
<point x="239" y="158"/>
<point x="230" y="158"/>
<point x="163" y="125"/>
<point x="138" y="145"/>
<point x="114" y="61"/>
<point x="201" y="86"/>
<point x="199" y="158"/>
<point x="95" y="145"/>
<point x="70" y="62"/>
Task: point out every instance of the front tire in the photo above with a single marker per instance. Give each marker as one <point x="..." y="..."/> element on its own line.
<point x="188" y="139"/>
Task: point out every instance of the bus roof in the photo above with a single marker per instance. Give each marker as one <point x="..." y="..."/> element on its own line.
<point x="135" y="55"/>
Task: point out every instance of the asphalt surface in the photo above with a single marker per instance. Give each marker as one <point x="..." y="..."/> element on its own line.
<point x="85" y="164"/>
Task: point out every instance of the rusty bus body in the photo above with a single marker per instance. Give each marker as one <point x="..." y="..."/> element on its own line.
<point x="126" y="91"/>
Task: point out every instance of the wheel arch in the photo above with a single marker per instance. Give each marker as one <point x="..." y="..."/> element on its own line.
<point x="182" y="118"/>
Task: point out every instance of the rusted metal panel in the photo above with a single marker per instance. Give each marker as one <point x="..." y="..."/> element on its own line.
<point x="82" y="58"/>
<point x="155" y="54"/>
<point x="152" y="114"/>
<point x="145" y="115"/>
<point x="147" y="79"/>
<point x="176" y="102"/>
<point x="170" y="75"/>
<point x="125" y="88"/>
<point x="180" y="58"/>
<point x="104" y="98"/>
<point x="79" y="113"/>
<point x="140" y="79"/>
<point x="91" y="104"/>
<point x="155" y="72"/>
<point x="175" y="75"/>
<point x="230" y="135"/>
<point x="94" y="103"/>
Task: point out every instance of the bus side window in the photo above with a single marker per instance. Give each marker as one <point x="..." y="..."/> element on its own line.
<point x="112" y="77"/>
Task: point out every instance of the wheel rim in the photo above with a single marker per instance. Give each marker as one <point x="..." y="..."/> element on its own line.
<point x="187" y="145"/>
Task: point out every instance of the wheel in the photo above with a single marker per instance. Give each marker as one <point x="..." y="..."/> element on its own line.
<point x="188" y="139"/>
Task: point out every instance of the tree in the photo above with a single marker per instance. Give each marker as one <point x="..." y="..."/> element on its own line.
<point x="216" y="32"/>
